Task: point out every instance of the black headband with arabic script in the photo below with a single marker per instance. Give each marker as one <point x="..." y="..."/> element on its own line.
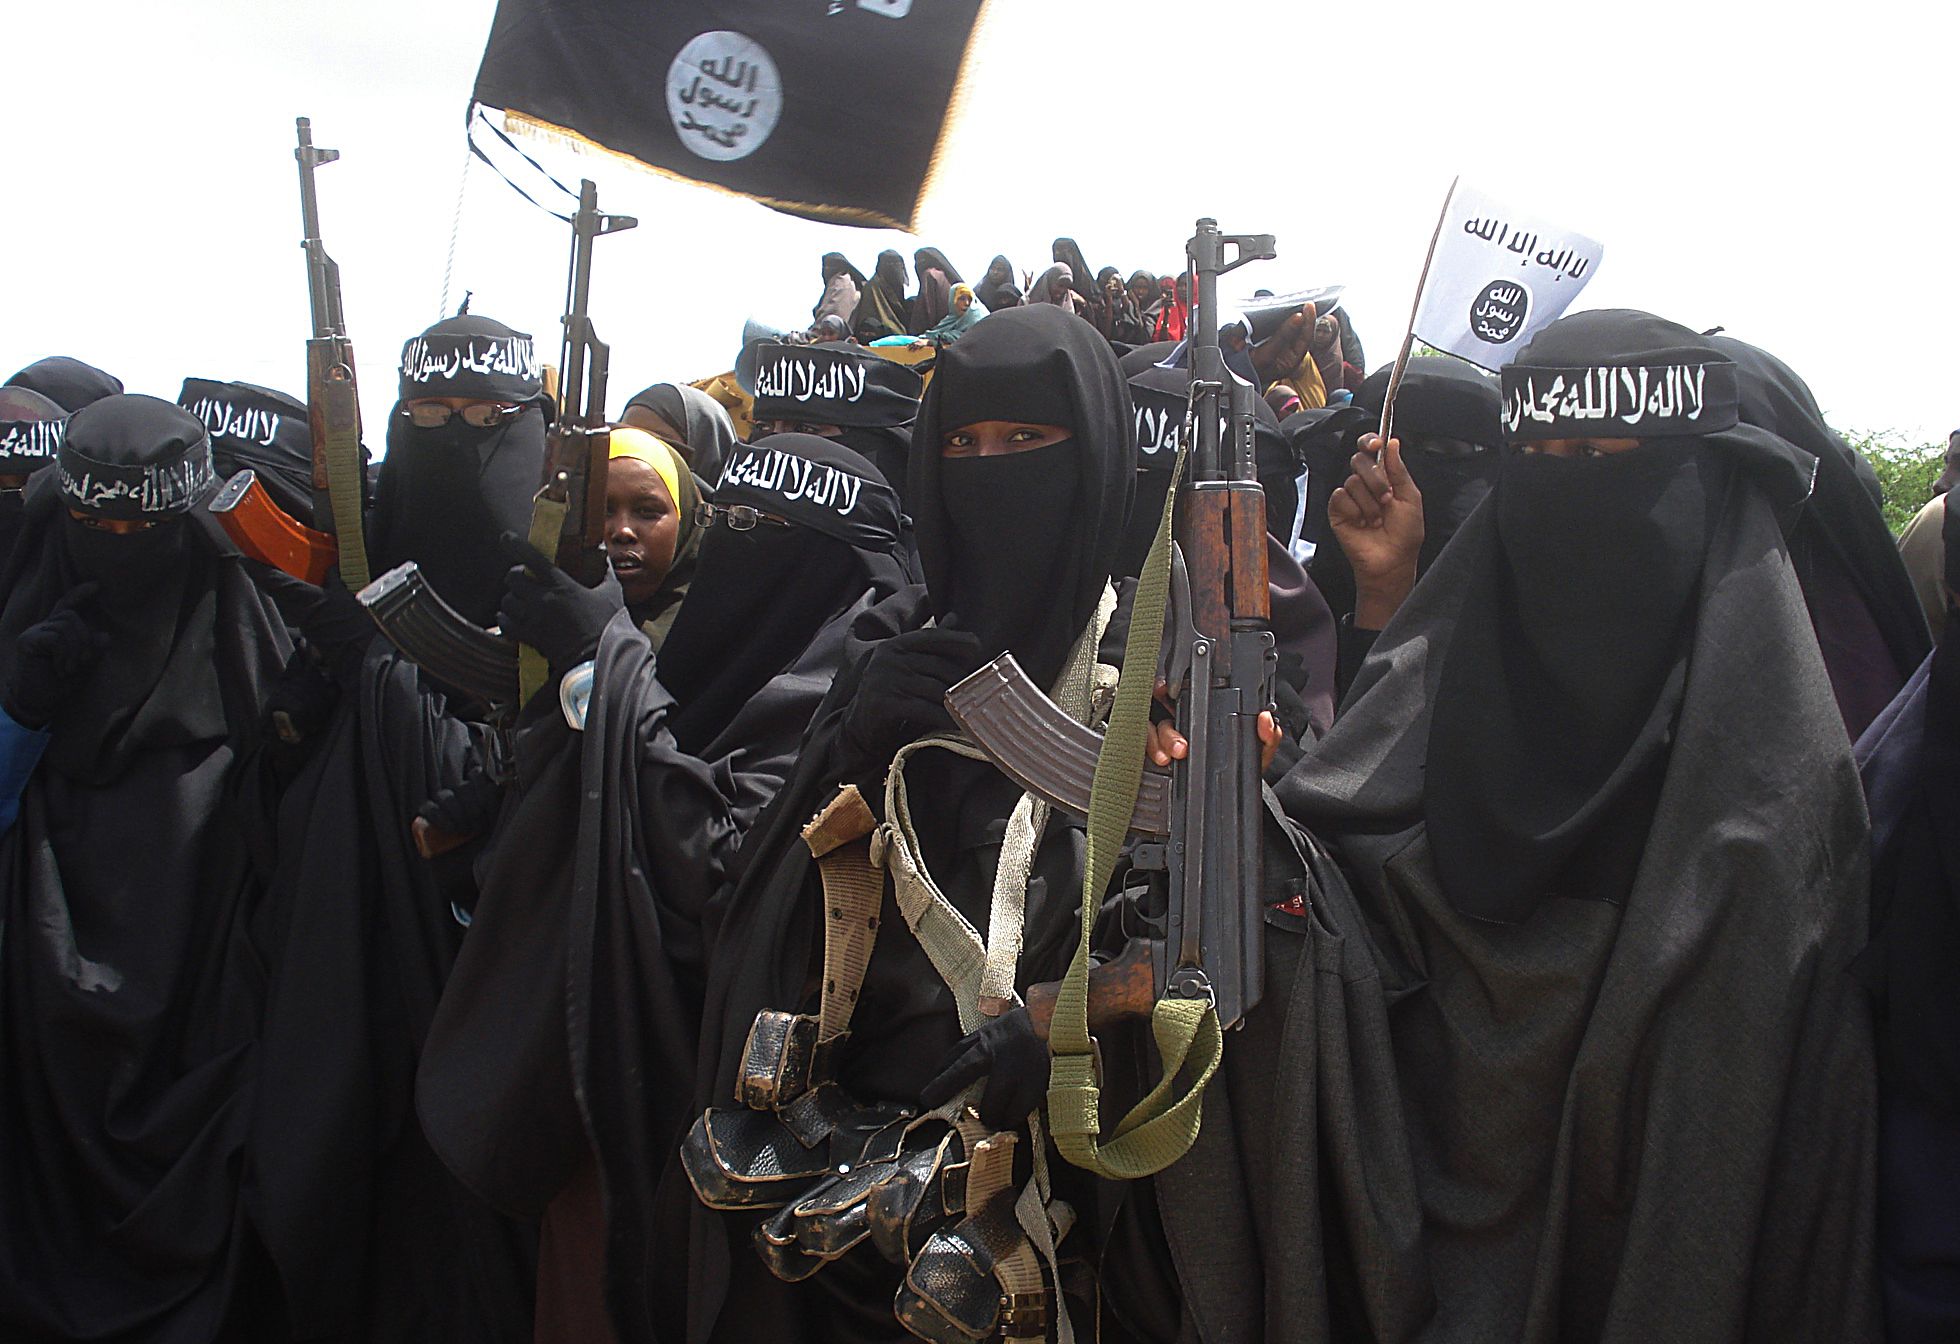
<point x="833" y="385"/>
<point x="815" y="483"/>
<point x="475" y="357"/>
<point x="30" y="430"/>
<point x="1618" y="374"/>
<point x="132" y="456"/>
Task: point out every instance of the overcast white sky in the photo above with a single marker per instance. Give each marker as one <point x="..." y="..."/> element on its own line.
<point x="1786" y="172"/>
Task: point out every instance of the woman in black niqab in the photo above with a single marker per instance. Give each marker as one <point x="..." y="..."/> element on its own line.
<point x="993" y="530"/>
<point x="1562" y="786"/>
<point x="882" y="309"/>
<point x="354" y="1197"/>
<point x="581" y="979"/>
<point x="131" y="988"/>
<point x="444" y="497"/>
<point x="30" y="425"/>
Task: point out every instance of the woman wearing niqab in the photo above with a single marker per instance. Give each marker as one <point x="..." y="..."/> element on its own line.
<point x="991" y="526"/>
<point x="581" y="979"/>
<point x="383" y="1243"/>
<point x="882" y="310"/>
<point x="1632" y="1071"/>
<point x="843" y="285"/>
<point x="136" y="653"/>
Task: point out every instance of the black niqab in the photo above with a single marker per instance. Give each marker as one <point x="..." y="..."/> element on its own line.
<point x="986" y="541"/>
<point x="759" y="597"/>
<point x="931" y="258"/>
<point x="1554" y="711"/>
<point x="836" y="263"/>
<point x="445" y="498"/>
<point x="1552" y="715"/>
<point x="881" y="309"/>
<point x="1442" y="399"/>
<point x="67" y="382"/>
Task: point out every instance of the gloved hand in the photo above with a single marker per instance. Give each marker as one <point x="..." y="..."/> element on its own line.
<point x="50" y="657"/>
<point x="901" y="693"/>
<point x="301" y="702"/>
<point x="339" y="629"/>
<point x="469" y="808"/>
<point x="1014" y="1061"/>
<point x="550" y="610"/>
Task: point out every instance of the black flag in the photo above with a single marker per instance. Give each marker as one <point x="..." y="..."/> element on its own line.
<point x="832" y="109"/>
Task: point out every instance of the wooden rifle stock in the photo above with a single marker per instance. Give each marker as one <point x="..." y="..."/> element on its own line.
<point x="1122" y="990"/>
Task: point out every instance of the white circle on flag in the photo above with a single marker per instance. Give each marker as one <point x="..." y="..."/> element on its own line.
<point x="724" y="95"/>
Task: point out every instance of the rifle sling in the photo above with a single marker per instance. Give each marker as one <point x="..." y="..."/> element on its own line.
<point x="547" y="523"/>
<point x="1161" y="1128"/>
<point x="341" y="450"/>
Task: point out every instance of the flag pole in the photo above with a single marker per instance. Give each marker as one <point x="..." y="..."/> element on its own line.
<point x="1409" y="336"/>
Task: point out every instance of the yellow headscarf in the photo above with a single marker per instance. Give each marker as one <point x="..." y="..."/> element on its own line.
<point x="637" y="443"/>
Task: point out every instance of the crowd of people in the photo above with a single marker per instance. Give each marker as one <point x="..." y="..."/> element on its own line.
<point x="1611" y="950"/>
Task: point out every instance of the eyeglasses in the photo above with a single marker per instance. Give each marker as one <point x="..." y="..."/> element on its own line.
<point x="736" y="517"/>
<point x="478" y="414"/>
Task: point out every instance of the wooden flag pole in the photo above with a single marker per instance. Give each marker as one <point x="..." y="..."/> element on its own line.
<point x="1409" y="336"/>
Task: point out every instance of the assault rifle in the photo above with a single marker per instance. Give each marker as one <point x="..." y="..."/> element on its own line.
<point x="248" y="514"/>
<point x="567" y="518"/>
<point x="1197" y="832"/>
<point x="333" y="403"/>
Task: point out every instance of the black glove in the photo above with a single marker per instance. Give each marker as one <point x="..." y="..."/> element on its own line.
<point x="50" y="657"/>
<point x="551" y="611"/>
<point x="901" y="694"/>
<point x="1014" y="1061"/>
<point x="339" y="629"/>
<point x="301" y="703"/>
<point x="468" y="809"/>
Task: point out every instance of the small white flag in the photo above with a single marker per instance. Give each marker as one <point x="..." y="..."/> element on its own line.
<point x="1497" y="277"/>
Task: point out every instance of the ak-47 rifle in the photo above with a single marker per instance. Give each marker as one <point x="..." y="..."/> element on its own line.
<point x="333" y="401"/>
<point x="1199" y="833"/>
<point x="567" y="519"/>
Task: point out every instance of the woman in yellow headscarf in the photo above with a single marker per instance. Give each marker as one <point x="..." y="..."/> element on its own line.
<point x="651" y="538"/>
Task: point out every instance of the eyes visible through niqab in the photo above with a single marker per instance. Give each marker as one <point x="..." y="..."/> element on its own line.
<point x="997" y="438"/>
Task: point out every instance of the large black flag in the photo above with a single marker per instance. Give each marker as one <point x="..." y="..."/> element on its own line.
<point x="834" y="109"/>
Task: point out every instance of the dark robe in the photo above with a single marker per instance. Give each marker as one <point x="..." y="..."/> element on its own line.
<point x="134" y="957"/>
<point x="375" y="1237"/>
<point x="1640" y="1119"/>
<point x="988" y="530"/>
<point x="1868" y="621"/>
